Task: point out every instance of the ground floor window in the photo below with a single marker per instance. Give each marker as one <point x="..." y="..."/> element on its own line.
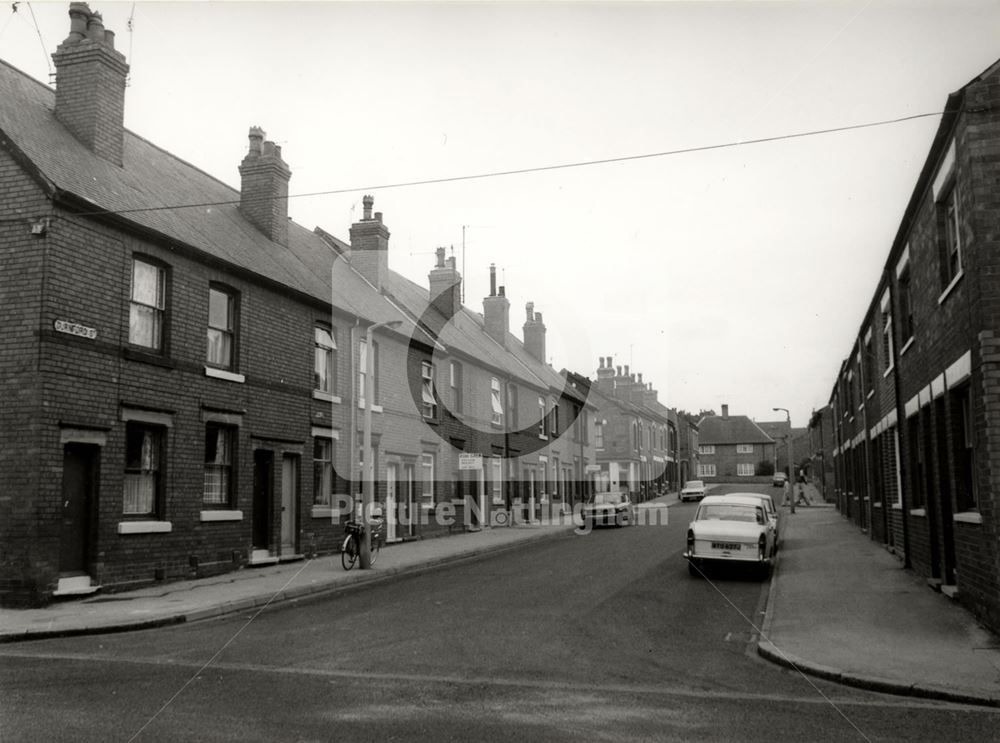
<point x="219" y="447"/>
<point x="427" y="480"/>
<point x="706" y="470"/>
<point x="143" y="458"/>
<point x="744" y="469"/>
<point x="322" y="471"/>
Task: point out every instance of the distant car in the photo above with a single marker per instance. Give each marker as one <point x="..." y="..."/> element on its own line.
<point x="694" y="489"/>
<point x="609" y="509"/>
<point x="730" y="529"/>
<point x="778" y="480"/>
<point x="772" y="513"/>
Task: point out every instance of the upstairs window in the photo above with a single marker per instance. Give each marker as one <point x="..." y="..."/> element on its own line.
<point x="455" y="380"/>
<point x="949" y="237"/>
<point x="325" y="361"/>
<point x="706" y="449"/>
<point x="512" y="405"/>
<point x="147" y="305"/>
<point x="744" y="448"/>
<point x="496" y="400"/>
<point x="542" y="419"/>
<point x="905" y="305"/>
<point x="363" y="372"/>
<point x="599" y="435"/>
<point x="887" y="340"/>
<point x="428" y="403"/>
<point x="221" y="327"/>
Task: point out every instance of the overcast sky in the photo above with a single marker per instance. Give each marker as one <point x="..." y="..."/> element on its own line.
<point x="733" y="275"/>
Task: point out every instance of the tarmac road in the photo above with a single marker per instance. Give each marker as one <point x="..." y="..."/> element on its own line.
<point x="596" y="637"/>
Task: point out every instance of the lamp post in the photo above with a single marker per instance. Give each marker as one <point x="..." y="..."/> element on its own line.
<point x="368" y="477"/>
<point x="788" y="442"/>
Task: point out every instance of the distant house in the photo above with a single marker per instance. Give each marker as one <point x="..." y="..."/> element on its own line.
<point x="732" y="446"/>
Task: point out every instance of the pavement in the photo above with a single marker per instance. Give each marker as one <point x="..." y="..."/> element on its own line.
<point x="840" y="607"/>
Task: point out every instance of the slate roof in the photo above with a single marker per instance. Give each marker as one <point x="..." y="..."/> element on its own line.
<point x="151" y="178"/>
<point x="736" y="429"/>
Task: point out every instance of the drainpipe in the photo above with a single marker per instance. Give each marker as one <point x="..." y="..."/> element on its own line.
<point x="900" y="424"/>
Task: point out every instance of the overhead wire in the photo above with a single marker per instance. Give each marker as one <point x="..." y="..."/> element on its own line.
<point x="535" y="169"/>
<point x="45" y="52"/>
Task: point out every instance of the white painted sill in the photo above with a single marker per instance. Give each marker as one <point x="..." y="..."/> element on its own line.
<point x="922" y="512"/>
<point x="906" y="346"/>
<point x="211" y="371"/>
<point x="222" y="515"/>
<point x="375" y="408"/>
<point x="144" y="527"/>
<point x="888" y="371"/>
<point x="951" y="285"/>
<point x="326" y="396"/>
<point x="968" y="517"/>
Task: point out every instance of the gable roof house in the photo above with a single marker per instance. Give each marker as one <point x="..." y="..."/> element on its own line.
<point x="732" y="447"/>
<point x="183" y="367"/>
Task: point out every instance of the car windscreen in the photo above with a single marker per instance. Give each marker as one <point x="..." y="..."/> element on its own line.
<point x="730" y="512"/>
<point x="602" y="498"/>
<point x="692" y="484"/>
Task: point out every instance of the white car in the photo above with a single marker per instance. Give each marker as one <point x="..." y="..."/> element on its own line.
<point x="770" y="509"/>
<point x="730" y="529"/>
<point x="610" y="509"/>
<point x="693" y="489"/>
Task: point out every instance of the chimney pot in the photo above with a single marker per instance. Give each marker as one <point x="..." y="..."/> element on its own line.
<point x="367" y="202"/>
<point x="640" y="378"/>
<point x="529" y="310"/>
<point x="626" y="370"/>
<point x="619" y="370"/>
<point x="95" y="28"/>
<point x="502" y="290"/>
<point x="493" y="279"/>
<point x="79" y="13"/>
<point x="440" y="257"/>
<point x="378" y="217"/>
<point x="451" y="263"/>
<point x="601" y="362"/>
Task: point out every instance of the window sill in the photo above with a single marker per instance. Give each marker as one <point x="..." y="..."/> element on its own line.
<point x="968" y="517"/>
<point x="543" y="438"/>
<point x="870" y="395"/>
<point x="321" y="512"/>
<point x="148" y="357"/>
<point x="951" y="285"/>
<point x="906" y="346"/>
<point x="888" y="371"/>
<point x="222" y="515"/>
<point x="144" y="527"/>
<point x="922" y="512"/>
<point x="326" y="396"/>
<point x="375" y="408"/>
<point x="211" y="371"/>
<point x="896" y="506"/>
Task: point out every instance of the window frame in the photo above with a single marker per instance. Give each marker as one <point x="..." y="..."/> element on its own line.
<point x="455" y="380"/>
<point x="496" y="402"/>
<point x="226" y="468"/>
<point x="157" y="450"/>
<point x="229" y="334"/>
<point x="329" y="354"/>
<point x="428" y="406"/>
<point x="427" y="465"/>
<point x="157" y="311"/>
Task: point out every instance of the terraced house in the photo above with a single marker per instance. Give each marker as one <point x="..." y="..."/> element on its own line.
<point x="183" y="387"/>
<point x="916" y="411"/>
<point x="732" y="447"/>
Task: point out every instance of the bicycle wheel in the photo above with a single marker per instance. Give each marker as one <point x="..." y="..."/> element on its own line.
<point x="348" y="552"/>
<point x="376" y="547"/>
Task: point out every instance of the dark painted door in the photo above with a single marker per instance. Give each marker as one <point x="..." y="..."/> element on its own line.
<point x="79" y="492"/>
<point x="263" y="490"/>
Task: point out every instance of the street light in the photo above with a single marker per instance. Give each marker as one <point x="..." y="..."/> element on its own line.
<point x="788" y="442"/>
<point x="368" y="477"/>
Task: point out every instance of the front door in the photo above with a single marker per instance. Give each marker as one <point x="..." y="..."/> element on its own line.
<point x="289" y="503"/>
<point x="79" y="493"/>
<point x="391" y="476"/>
<point x="263" y="493"/>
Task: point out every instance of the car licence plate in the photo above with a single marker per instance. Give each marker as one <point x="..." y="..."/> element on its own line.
<point x="729" y="546"/>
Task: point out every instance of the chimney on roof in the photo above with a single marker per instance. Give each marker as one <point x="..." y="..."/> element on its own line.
<point x="264" y="180"/>
<point x="534" y="333"/>
<point x="446" y="285"/>
<point x="605" y="375"/>
<point x="496" y="311"/>
<point x="90" y="84"/>
<point x="370" y="245"/>
<point x="725" y="412"/>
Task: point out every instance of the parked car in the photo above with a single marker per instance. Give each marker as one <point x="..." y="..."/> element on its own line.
<point x="730" y="529"/>
<point x="770" y="509"/>
<point x="778" y="480"/>
<point x="693" y="489"/>
<point x="609" y="509"/>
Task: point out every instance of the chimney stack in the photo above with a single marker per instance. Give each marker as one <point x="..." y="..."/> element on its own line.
<point x="605" y="375"/>
<point x="264" y="180"/>
<point x="370" y="246"/>
<point x="90" y="84"/>
<point x="446" y="285"/>
<point x="534" y="333"/>
<point x="496" y="311"/>
<point x="725" y="412"/>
